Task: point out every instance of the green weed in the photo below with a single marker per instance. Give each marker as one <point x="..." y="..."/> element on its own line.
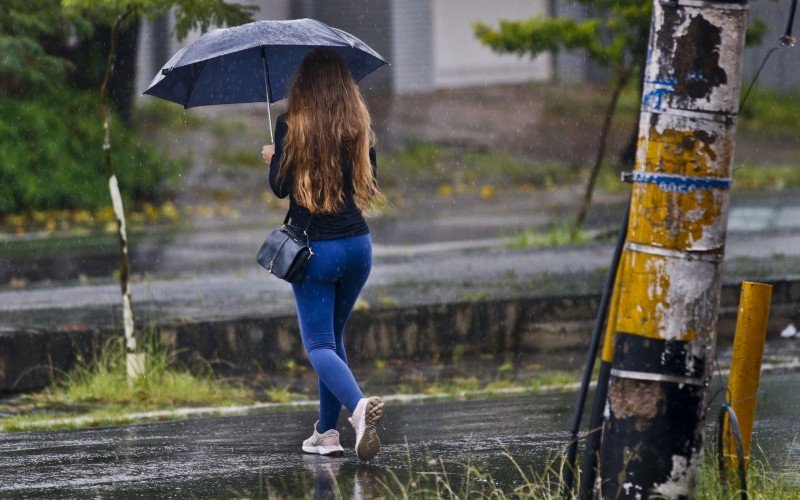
<point x="98" y="389"/>
<point x="766" y="177"/>
<point x="558" y="234"/>
<point x="237" y="157"/>
<point x="283" y="395"/>
<point x="155" y="113"/>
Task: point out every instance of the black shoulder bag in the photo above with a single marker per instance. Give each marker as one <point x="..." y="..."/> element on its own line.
<point x="284" y="253"/>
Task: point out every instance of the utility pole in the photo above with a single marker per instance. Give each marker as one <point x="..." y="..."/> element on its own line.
<point x="667" y="296"/>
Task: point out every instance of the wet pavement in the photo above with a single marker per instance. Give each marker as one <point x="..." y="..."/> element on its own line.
<point x="248" y="456"/>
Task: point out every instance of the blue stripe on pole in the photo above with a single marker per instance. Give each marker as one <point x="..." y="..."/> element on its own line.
<point x="670" y="183"/>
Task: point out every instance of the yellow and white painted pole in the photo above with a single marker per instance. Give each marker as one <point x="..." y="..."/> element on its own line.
<point x="666" y="303"/>
<point x="748" y="350"/>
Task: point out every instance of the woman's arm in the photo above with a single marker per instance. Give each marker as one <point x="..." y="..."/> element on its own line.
<point x="281" y="187"/>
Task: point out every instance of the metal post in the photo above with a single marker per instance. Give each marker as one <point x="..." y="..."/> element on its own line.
<point x="602" y="382"/>
<point x="748" y="349"/>
<point x="593" y="440"/>
<point x="668" y="291"/>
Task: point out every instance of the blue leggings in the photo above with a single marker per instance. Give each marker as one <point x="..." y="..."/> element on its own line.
<point x="336" y="274"/>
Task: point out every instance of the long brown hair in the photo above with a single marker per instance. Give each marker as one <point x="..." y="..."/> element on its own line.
<point x="329" y="128"/>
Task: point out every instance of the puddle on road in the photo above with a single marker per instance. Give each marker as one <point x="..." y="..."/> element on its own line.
<point x="249" y="456"/>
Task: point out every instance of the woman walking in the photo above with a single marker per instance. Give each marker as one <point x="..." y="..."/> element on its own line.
<point x="323" y="159"/>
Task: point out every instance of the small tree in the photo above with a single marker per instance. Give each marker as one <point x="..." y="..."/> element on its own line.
<point x="614" y="36"/>
<point x="116" y="14"/>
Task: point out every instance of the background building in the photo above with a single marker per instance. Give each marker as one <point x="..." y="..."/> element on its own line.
<point x="430" y="43"/>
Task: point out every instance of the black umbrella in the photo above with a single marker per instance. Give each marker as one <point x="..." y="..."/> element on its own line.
<point x="254" y="62"/>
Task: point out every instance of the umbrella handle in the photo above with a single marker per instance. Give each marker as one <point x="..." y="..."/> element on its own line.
<point x="266" y="89"/>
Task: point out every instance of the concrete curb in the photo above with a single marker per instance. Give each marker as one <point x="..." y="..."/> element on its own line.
<point x="29" y="359"/>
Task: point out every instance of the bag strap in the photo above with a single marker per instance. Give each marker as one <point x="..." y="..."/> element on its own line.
<point x="305" y="231"/>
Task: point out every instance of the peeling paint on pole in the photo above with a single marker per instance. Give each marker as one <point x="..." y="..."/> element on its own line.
<point x="667" y="294"/>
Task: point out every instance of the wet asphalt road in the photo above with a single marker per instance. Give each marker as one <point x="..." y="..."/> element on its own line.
<point x="211" y="275"/>
<point x="243" y="456"/>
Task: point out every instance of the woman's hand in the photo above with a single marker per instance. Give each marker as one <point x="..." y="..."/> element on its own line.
<point x="267" y="152"/>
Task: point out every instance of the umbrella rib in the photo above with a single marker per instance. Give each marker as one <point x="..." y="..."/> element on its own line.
<point x="191" y="89"/>
<point x="340" y="37"/>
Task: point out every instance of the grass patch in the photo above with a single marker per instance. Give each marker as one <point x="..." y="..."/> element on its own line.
<point x="453" y="386"/>
<point x="552" y="378"/>
<point x="98" y="390"/>
<point x="457" y="169"/>
<point x="774" y="178"/>
<point x="771" y="110"/>
<point x="763" y="482"/>
<point x="156" y="113"/>
<point x="459" y="479"/>
<point x="420" y="474"/>
<point x="504" y="378"/>
<point x="223" y="128"/>
<point x="558" y="234"/>
<point x="283" y="394"/>
<point x="238" y="157"/>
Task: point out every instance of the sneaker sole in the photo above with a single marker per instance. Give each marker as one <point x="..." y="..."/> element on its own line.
<point x="319" y="450"/>
<point x="370" y="443"/>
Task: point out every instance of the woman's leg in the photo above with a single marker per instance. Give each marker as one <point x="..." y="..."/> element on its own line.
<point x="316" y="299"/>
<point x="346" y="293"/>
<point x="349" y="286"/>
<point x="329" y="406"/>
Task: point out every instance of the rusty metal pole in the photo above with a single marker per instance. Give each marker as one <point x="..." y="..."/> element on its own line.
<point x="668" y="289"/>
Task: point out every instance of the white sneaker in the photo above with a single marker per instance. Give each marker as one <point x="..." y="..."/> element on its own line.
<point x="326" y="443"/>
<point x="366" y="416"/>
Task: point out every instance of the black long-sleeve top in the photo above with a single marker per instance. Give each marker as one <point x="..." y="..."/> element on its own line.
<point x="348" y="221"/>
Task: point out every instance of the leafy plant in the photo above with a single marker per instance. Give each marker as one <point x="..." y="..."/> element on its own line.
<point x="45" y="163"/>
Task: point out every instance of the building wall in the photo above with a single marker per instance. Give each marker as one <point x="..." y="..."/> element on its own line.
<point x="461" y="60"/>
<point x="412" y="57"/>
<point x="782" y="71"/>
<point x="430" y="43"/>
<point x="369" y="20"/>
<point x="570" y="67"/>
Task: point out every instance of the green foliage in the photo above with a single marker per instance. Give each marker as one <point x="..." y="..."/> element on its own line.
<point x="51" y="134"/>
<point x="51" y="156"/>
<point x="161" y="115"/>
<point x="615" y="36"/>
<point x="557" y="235"/>
<point x="189" y="14"/>
<point x="163" y="384"/>
<point x="25" y="66"/>
<point x="283" y="394"/>
<point x="452" y="168"/>
<point x="770" y="110"/>
<point x="774" y="178"/>
<point x="756" y="32"/>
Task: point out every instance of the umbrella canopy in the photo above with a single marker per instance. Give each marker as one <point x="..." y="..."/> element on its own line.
<point x="253" y="62"/>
